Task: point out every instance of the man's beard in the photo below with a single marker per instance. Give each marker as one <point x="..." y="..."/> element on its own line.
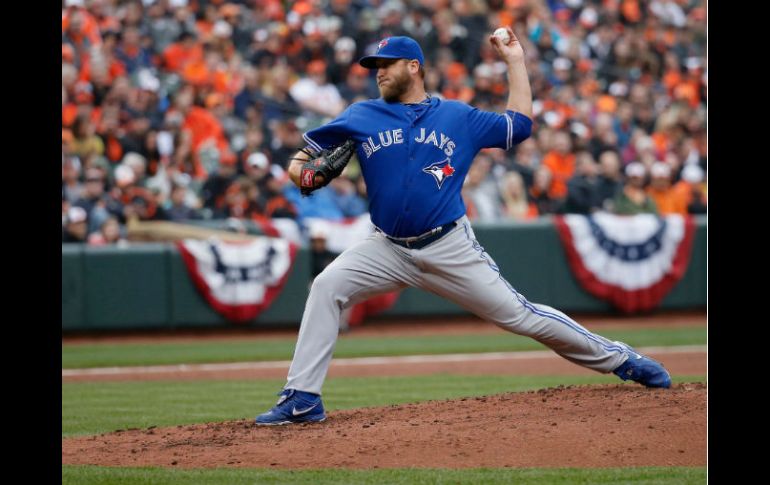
<point x="399" y="85"/>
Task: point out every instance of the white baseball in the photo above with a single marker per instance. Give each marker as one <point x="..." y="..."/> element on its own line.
<point x="502" y="34"/>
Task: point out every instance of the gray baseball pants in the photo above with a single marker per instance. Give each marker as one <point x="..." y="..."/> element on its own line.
<point x="455" y="267"/>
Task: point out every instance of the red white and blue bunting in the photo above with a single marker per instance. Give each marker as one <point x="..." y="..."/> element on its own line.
<point x="631" y="261"/>
<point x="239" y="279"/>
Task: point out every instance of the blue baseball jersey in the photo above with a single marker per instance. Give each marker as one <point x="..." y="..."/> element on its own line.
<point x="414" y="157"/>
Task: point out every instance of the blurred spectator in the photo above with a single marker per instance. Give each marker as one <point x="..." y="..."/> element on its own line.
<point x="85" y="144"/>
<point x="184" y="51"/>
<point x="177" y="209"/>
<point x="516" y="204"/>
<point x="561" y="163"/>
<point x="98" y="204"/>
<point x="70" y="179"/>
<point x="251" y="93"/>
<point x="286" y="140"/>
<point x="693" y="189"/>
<point x="486" y="81"/>
<point x="215" y="187"/>
<point x="130" y="51"/>
<point x="539" y="193"/>
<point x="480" y="192"/>
<point x="207" y="137"/>
<point x="456" y="85"/>
<point x="667" y="200"/>
<point x="276" y="202"/>
<point x="583" y="195"/>
<point x="141" y="204"/>
<point x="320" y="256"/>
<point x="109" y="233"/>
<point x="315" y="94"/>
<point x="257" y="167"/>
<point x="280" y="105"/>
<point x="525" y="160"/>
<point x="623" y="124"/>
<point x="321" y="204"/>
<point x="343" y="60"/>
<point x="75" y="228"/>
<point x="346" y="197"/>
<point x="633" y="199"/>
<point x="138" y="165"/>
<point x="80" y="30"/>
<point x="610" y="178"/>
<point x="604" y="136"/>
<point x="358" y="85"/>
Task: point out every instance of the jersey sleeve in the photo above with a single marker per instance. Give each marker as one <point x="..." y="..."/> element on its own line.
<point x="494" y="130"/>
<point x="331" y="134"/>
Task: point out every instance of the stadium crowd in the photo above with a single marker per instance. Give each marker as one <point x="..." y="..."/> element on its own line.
<point x="187" y="110"/>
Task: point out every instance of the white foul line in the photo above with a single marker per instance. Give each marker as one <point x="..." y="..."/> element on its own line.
<point x="406" y="359"/>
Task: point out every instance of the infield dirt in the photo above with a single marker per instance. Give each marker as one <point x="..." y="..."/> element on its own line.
<point x="574" y="426"/>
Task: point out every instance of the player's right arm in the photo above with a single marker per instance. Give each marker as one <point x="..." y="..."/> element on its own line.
<point x="492" y="130"/>
<point x="519" y="90"/>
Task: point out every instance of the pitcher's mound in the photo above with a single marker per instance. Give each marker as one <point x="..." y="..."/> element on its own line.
<point x="575" y="426"/>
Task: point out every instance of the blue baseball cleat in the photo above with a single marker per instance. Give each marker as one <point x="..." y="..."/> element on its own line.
<point x="643" y="370"/>
<point x="294" y="407"/>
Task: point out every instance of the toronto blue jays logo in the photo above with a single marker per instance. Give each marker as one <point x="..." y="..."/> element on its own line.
<point x="440" y="171"/>
<point x="382" y="44"/>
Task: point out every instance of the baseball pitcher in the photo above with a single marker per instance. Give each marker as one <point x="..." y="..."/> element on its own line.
<point x="415" y="151"/>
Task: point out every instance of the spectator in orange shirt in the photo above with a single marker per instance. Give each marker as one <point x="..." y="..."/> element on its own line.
<point x="667" y="200"/>
<point x="561" y="162"/>
<point x="205" y="20"/>
<point x="78" y="22"/>
<point x="69" y="110"/>
<point x="182" y="52"/>
<point x="692" y="188"/>
<point x="456" y="86"/>
<point x="204" y="128"/>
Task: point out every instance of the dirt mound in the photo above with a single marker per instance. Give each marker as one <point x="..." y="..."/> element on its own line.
<point x="573" y="426"/>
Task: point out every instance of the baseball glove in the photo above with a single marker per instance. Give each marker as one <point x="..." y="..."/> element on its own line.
<point x="329" y="163"/>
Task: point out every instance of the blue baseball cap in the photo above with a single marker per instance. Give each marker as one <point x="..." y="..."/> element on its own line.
<point x="394" y="48"/>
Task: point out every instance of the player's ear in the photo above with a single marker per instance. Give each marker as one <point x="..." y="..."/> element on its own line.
<point x="414" y="66"/>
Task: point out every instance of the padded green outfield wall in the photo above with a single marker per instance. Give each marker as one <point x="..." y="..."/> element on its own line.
<point x="146" y="286"/>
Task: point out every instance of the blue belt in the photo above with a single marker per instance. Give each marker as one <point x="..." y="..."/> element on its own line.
<point x="420" y="242"/>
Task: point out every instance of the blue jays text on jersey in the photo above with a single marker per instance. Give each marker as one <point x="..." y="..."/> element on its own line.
<point x="414" y="157"/>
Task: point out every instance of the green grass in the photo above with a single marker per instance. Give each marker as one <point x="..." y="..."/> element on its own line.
<point x="108" y="355"/>
<point x="99" y="407"/>
<point x="86" y="475"/>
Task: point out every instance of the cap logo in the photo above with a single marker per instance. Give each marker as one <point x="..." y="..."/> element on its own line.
<point x="382" y="44"/>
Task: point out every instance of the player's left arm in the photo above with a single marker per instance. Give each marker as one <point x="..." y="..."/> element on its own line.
<point x="334" y="133"/>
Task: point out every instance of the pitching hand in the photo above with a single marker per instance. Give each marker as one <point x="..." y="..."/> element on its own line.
<point x="510" y="53"/>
